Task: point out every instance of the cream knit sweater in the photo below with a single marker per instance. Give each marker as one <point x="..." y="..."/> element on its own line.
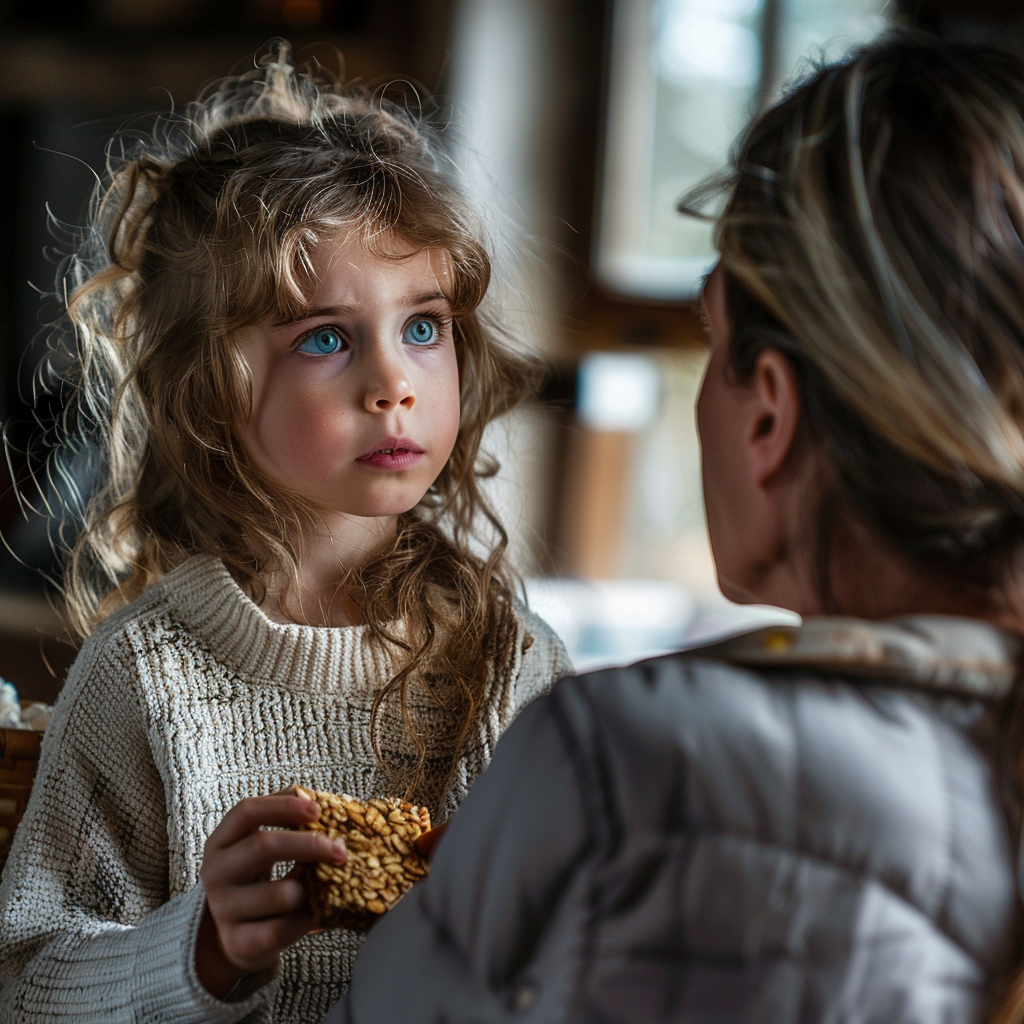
<point x="178" y="707"/>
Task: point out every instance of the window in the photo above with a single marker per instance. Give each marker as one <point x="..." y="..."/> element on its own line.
<point x="685" y="77"/>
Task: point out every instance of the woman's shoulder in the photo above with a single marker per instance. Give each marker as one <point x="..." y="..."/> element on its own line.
<point x="652" y="717"/>
<point x="834" y="657"/>
<point x="746" y="729"/>
<point x="793" y="758"/>
<point x="762" y="715"/>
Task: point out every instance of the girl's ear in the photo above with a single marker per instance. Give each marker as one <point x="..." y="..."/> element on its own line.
<point x="774" y="414"/>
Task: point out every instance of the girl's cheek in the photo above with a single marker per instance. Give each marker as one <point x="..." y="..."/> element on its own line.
<point x="450" y="405"/>
<point x="451" y="429"/>
<point x="306" y="434"/>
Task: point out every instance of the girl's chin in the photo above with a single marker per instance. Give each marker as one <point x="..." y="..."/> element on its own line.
<point x="370" y="508"/>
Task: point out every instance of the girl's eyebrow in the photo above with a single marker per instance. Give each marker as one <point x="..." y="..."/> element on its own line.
<point x="318" y="311"/>
<point x="421" y="300"/>
<point x="312" y="313"/>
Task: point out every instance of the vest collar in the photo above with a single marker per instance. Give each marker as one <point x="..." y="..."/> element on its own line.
<point x="938" y="652"/>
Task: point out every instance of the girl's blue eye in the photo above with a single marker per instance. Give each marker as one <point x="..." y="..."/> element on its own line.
<point x="324" y="341"/>
<point x="421" y="332"/>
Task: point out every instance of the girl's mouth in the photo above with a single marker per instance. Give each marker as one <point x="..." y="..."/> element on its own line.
<point x="396" y="453"/>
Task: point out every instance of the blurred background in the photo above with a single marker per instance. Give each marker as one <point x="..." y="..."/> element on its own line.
<point x="583" y="121"/>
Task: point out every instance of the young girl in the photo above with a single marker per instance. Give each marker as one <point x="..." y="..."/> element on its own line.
<point x="285" y="367"/>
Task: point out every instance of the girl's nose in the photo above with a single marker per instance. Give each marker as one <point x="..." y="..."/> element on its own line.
<point x="387" y="385"/>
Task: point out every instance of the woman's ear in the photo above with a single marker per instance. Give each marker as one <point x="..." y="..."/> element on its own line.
<point x="773" y="415"/>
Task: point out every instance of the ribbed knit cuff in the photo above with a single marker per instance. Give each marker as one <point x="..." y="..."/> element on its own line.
<point x="167" y="987"/>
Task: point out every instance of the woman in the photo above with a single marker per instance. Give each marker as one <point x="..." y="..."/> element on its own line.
<point x="818" y="823"/>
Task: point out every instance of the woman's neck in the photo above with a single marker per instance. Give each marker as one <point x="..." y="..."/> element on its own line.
<point x="312" y="595"/>
<point x="869" y="578"/>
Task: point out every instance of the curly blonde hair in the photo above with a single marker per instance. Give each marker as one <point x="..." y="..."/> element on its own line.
<point x="208" y="225"/>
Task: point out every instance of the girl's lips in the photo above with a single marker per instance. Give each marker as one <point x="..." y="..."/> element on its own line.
<point x="395" y="453"/>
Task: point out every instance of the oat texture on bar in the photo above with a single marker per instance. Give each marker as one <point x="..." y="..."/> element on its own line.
<point x="382" y="860"/>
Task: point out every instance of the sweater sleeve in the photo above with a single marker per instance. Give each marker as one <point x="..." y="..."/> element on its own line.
<point x="87" y="931"/>
<point x="501" y="904"/>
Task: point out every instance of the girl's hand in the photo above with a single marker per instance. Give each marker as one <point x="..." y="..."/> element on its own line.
<point x="249" y="919"/>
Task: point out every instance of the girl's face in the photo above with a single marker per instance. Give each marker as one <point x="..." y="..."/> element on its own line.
<point x="356" y="407"/>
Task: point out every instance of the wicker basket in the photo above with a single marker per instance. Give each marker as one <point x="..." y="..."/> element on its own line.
<point x="19" y="759"/>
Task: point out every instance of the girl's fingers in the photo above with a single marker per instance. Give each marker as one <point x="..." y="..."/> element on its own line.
<point x="428" y="841"/>
<point x="242" y="903"/>
<point x="255" y="945"/>
<point x="281" y="811"/>
<point x="253" y="857"/>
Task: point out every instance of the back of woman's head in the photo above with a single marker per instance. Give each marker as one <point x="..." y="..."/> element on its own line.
<point x="874" y="233"/>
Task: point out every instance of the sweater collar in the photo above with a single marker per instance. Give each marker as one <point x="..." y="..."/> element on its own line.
<point x="934" y="651"/>
<point x="214" y="608"/>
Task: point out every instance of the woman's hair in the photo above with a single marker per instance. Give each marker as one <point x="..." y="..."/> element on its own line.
<point x="207" y="225"/>
<point x="874" y="232"/>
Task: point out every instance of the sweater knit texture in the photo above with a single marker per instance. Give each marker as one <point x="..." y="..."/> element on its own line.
<point x="178" y="706"/>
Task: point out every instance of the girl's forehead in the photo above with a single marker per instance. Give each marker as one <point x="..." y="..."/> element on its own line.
<point x="391" y="256"/>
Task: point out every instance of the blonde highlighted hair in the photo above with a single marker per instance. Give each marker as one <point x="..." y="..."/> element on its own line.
<point x="207" y="225"/>
<point x="874" y="232"/>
